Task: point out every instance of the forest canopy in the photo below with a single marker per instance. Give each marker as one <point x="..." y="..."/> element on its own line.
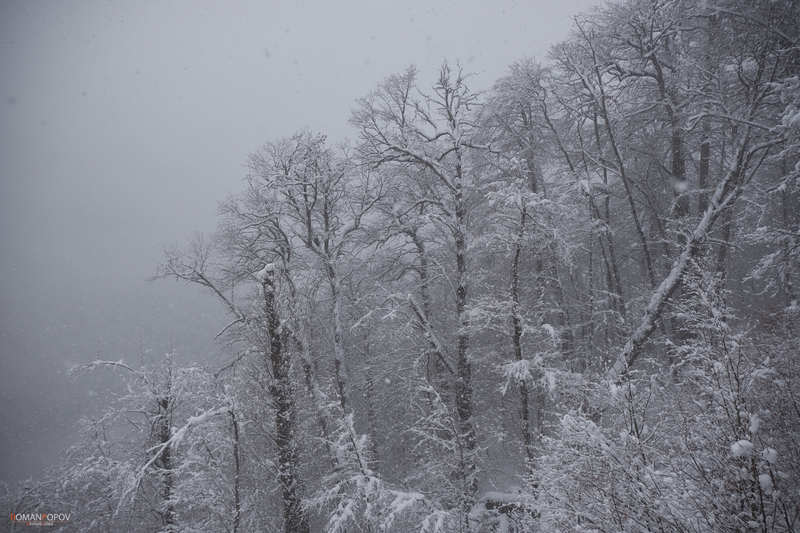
<point x="566" y="302"/>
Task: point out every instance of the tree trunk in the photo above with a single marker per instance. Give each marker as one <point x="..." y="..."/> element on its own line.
<point x="312" y="388"/>
<point x="516" y="336"/>
<point x="628" y="191"/>
<point x="338" y="339"/>
<point x="435" y="367"/>
<point x="282" y="392"/>
<point x="164" y="463"/>
<point x="724" y="197"/>
<point x="463" y="389"/>
<point x="237" y="510"/>
<point x="370" y="400"/>
<point x="678" y="167"/>
<point x="705" y="143"/>
<point x="553" y="284"/>
<point x="789" y="216"/>
<point x="612" y="272"/>
<point x="703" y="173"/>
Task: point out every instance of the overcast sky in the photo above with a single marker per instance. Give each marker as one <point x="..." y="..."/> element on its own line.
<point x="122" y="124"/>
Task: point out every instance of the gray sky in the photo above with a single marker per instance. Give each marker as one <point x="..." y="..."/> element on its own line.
<point x="122" y="124"/>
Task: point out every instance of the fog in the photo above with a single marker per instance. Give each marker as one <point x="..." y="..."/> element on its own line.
<point x="122" y="126"/>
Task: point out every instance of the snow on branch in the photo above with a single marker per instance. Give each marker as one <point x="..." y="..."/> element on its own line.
<point x="173" y="442"/>
<point x="97" y="363"/>
<point x="356" y="494"/>
<point x="725" y="195"/>
<point x="430" y="335"/>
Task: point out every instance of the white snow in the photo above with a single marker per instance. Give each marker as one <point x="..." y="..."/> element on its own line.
<point x="680" y="186"/>
<point x="262" y="274"/>
<point x="765" y="480"/>
<point x="742" y="448"/>
<point x="769" y="455"/>
<point x="552" y="332"/>
<point x="517" y="370"/>
<point x="550" y="379"/>
<point x="755" y="423"/>
<point x="749" y="66"/>
<point x="792" y="119"/>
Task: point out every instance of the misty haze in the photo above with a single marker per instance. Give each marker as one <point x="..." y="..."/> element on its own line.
<point x="457" y="266"/>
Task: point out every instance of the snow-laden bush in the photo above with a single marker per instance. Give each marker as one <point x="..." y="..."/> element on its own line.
<point x="704" y="446"/>
<point x="354" y="495"/>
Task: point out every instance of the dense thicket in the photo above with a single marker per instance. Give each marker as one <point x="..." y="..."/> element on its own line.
<point x="568" y="303"/>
